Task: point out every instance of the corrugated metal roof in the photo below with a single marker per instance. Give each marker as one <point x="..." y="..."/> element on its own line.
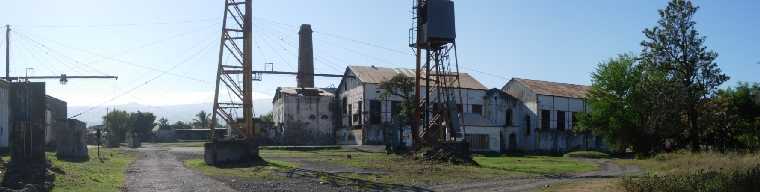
<point x="373" y="74"/>
<point x="554" y="88"/>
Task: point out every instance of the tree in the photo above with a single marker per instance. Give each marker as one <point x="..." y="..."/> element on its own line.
<point x="266" y="118"/>
<point x="142" y="123"/>
<point x="674" y="50"/>
<point x="614" y="98"/>
<point x="117" y="125"/>
<point x="163" y="124"/>
<point x="732" y="119"/>
<point x="181" y="125"/>
<point x="201" y="120"/>
<point x="402" y="87"/>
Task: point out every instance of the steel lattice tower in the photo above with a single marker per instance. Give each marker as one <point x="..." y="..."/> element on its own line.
<point x="235" y="78"/>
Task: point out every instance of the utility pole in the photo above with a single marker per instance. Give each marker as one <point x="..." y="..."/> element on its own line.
<point x="416" y="120"/>
<point x="248" y="69"/>
<point x="7" y="52"/>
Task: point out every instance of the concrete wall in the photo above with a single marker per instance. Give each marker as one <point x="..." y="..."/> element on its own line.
<point x="56" y="118"/>
<point x="546" y="139"/>
<point x="4" y="114"/>
<point x="494" y="138"/>
<point x="305" y="120"/>
<point x="28" y="122"/>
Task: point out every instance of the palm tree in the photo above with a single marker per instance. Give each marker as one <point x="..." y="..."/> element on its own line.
<point x="201" y="120"/>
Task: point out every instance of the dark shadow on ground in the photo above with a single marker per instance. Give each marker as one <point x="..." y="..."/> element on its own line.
<point x="340" y="181"/>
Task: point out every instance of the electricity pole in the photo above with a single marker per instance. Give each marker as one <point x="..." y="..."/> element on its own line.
<point x="7" y="51"/>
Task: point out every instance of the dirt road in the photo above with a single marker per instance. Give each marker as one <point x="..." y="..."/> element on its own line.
<point x="159" y="170"/>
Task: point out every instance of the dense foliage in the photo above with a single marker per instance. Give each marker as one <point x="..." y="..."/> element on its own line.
<point x="119" y="123"/>
<point x="667" y="97"/>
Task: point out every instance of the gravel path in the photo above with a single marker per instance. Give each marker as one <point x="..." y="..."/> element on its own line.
<point x="159" y="170"/>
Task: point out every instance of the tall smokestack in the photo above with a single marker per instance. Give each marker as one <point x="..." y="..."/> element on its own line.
<point x="305" y="75"/>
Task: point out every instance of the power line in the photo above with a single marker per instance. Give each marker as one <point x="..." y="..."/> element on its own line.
<point x="164" y="72"/>
<point x="113" y="58"/>
<point x="121" y="24"/>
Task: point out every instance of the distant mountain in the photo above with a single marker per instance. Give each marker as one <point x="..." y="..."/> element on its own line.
<point x="171" y="112"/>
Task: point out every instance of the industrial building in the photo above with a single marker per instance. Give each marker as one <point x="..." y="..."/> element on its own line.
<point x="364" y="115"/>
<point x="545" y="116"/>
<point x="303" y="116"/>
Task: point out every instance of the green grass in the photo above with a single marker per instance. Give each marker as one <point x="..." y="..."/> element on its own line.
<point x="684" y="162"/>
<point x="265" y="172"/>
<point x="182" y="144"/>
<point x="587" y="154"/>
<point x="93" y="175"/>
<point x="402" y="170"/>
<point x="536" y="164"/>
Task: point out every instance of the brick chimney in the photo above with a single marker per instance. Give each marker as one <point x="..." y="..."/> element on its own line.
<point x="305" y="75"/>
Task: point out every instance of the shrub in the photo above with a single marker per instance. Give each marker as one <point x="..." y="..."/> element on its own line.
<point x="587" y="154"/>
<point x="712" y="181"/>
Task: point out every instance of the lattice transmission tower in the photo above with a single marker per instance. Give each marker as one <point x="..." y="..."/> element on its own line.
<point x="234" y="76"/>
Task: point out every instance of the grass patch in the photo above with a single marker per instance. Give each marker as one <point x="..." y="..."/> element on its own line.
<point x="401" y="170"/>
<point x="536" y="164"/>
<point x="607" y="185"/>
<point x="264" y="172"/>
<point x="587" y="154"/>
<point x="182" y="144"/>
<point x="92" y="175"/>
<point x="684" y="162"/>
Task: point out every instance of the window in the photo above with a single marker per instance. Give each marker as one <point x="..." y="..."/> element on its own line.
<point x="395" y="109"/>
<point x="374" y="112"/>
<point x="509" y="117"/>
<point x="561" y="120"/>
<point x="477" y="141"/>
<point x="345" y="106"/>
<point x="477" y="109"/>
<point x="545" y="119"/>
<point x="348" y="114"/>
<point x="359" y="112"/>
<point x="527" y="125"/>
<point x="460" y="108"/>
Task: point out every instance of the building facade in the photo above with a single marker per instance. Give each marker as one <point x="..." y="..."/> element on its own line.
<point x="303" y="116"/>
<point x="366" y="114"/>
<point x="545" y="116"/>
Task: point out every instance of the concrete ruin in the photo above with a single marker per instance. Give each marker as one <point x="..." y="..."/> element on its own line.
<point x="55" y="119"/>
<point x="303" y="116"/>
<point x="71" y="143"/>
<point x="133" y="140"/>
<point x="5" y="110"/>
<point x="28" y="167"/>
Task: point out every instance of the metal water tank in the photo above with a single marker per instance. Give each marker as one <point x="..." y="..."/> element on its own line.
<point x="439" y="27"/>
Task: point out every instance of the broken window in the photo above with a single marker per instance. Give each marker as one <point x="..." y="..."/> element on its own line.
<point x="561" y="120"/>
<point x="374" y="112"/>
<point x="477" y="141"/>
<point x="509" y="117"/>
<point x="545" y="119"/>
<point x="345" y="106"/>
<point x="477" y="109"/>
<point x="527" y="125"/>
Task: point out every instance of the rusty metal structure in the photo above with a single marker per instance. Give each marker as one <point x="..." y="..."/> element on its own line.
<point x="236" y="78"/>
<point x="439" y="110"/>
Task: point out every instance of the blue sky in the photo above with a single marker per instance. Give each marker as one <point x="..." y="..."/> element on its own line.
<point x="175" y="42"/>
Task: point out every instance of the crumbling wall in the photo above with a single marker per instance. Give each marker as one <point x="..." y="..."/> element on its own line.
<point x="70" y="142"/>
<point x="55" y="118"/>
<point x="28" y="168"/>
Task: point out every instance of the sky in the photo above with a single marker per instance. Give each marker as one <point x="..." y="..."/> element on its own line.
<point x="165" y="52"/>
